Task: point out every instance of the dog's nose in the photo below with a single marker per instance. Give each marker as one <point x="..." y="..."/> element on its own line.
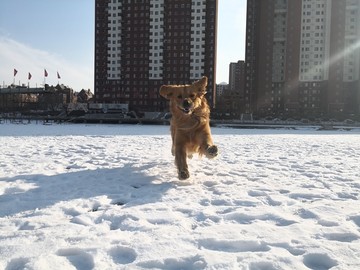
<point x="186" y="103"/>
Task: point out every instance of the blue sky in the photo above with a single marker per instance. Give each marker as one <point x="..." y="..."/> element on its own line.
<point x="59" y="35"/>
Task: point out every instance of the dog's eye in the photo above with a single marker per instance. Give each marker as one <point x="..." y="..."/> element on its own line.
<point x="179" y="96"/>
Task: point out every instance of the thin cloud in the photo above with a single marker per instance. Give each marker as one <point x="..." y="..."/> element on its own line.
<point x="25" y="59"/>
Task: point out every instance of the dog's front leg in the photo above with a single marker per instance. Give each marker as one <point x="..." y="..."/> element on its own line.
<point x="180" y="161"/>
<point x="207" y="147"/>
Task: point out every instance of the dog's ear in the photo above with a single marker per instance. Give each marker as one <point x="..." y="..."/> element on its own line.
<point x="166" y="91"/>
<point x="201" y="85"/>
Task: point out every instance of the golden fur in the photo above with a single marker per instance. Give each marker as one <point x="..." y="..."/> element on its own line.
<point x="190" y="123"/>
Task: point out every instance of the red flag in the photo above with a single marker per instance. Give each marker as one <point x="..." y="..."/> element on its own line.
<point x="29" y="76"/>
<point x="45" y="73"/>
<point x="15" y="72"/>
<point x="58" y="75"/>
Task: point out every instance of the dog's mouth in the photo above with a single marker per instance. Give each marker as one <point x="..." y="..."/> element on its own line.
<point x="186" y="110"/>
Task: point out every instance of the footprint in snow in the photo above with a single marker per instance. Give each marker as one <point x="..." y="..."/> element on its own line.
<point x="341" y="237"/>
<point x="243" y="218"/>
<point x="347" y="196"/>
<point x="291" y="249"/>
<point x="317" y="261"/>
<point x="234" y="246"/>
<point x="18" y="263"/>
<point x="123" y="255"/>
<point x="262" y="265"/>
<point x="306" y="214"/>
<point x="79" y="258"/>
<point x="257" y="193"/>
<point x="356" y="220"/>
<point x="196" y="263"/>
<point x="210" y="183"/>
<point x="262" y="196"/>
<point x="327" y="223"/>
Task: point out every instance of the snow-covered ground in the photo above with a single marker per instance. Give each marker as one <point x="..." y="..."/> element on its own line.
<point x="107" y="197"/>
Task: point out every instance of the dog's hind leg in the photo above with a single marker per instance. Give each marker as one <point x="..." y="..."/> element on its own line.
<point x="173" y="149"/>
<point x="172" y="140"/>
<point x="181" y="164"/>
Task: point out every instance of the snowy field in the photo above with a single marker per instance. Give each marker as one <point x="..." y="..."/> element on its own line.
<point x="107" y="197"/>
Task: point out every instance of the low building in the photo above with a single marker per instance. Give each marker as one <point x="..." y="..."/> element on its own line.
<point x="24" y="99"/>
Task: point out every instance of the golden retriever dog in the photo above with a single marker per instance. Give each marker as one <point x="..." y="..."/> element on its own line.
<point x="190" y="123"/>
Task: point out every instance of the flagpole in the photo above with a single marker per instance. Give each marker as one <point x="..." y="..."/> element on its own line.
<point x="45" y="75"/>
<point x="58" y="76"/>
<point x="29" y="78"/>
<point x="15" y="72"/>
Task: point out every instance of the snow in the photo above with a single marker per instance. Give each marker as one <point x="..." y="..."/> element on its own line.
<point x="76" y="196"/>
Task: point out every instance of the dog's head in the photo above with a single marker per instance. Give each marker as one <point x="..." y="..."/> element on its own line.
<point x="185" y="98"/>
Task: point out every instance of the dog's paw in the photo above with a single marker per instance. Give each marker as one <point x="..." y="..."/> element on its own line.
<point x="211" y="151"/>
<point x="184" y="174"/>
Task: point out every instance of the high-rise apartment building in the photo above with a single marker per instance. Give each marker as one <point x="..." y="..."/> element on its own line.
<point x="302" y="57"/>
<point x="237" y="77"/>
<point x="143" y="44"/>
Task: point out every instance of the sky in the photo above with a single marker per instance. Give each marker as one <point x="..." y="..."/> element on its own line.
<point x="59" y="36"/>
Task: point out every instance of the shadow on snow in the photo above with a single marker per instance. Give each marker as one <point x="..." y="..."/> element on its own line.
<point x="129" y="185"/>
